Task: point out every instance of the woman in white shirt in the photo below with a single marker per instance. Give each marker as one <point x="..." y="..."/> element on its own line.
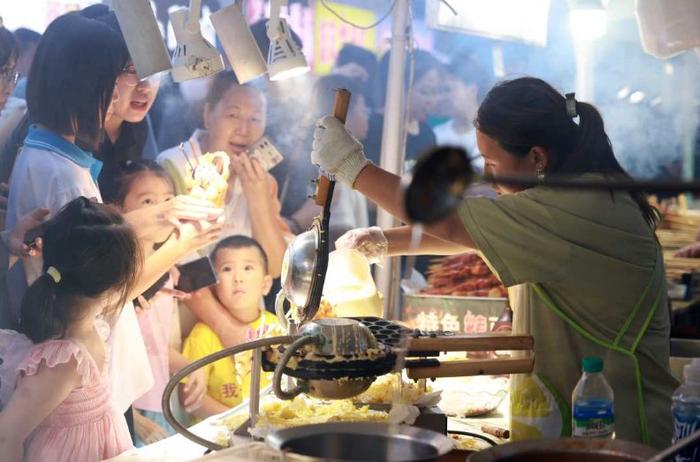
<point x="234" y="119"/>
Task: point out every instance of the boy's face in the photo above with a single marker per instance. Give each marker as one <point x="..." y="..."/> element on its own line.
<point x="242" y="278"/>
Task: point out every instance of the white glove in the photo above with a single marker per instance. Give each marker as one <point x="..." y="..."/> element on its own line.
<point x="371" y="242"/>
<point x="336" y="151"/>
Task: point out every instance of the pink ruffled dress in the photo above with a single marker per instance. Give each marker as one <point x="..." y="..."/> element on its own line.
<point x="86" y="427"/>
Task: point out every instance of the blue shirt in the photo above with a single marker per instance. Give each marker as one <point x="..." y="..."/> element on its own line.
<point x="41" y="138"/>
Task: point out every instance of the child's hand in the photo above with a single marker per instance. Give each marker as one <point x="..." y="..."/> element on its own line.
<point x="194" y="235"/>
<point x="194" y="390"/>
<point x="163" y="218"/>
<point x="147" y="430"/>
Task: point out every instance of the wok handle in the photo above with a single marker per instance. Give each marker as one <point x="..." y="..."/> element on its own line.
<point x="472" y="367"/>
<point x="489" y="341"/>
<point x="341" y="105"/>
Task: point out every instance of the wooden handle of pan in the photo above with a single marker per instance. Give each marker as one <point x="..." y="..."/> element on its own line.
<point x="341" y="105"/>
<point x="472" y="342"/>
<point x="473" y="367"/>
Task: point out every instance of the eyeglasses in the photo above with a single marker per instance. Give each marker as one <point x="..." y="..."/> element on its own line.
<point x="129" y="76"/>
<point x="9" y="77"/>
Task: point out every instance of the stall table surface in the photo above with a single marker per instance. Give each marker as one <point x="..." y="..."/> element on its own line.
<point x="177" y="448"/>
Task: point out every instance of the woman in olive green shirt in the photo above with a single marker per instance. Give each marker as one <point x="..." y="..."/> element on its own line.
<point x="584" y="270"/>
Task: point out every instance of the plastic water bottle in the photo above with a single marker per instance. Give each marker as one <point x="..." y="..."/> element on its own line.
<point x="686" y="410"/>
<point x="593" y="410"/>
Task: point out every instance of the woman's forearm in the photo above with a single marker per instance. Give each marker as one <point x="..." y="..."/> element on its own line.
<point x="384" y="189"/>
<point x="268" y="233"/>
<point x="207" y="308"/>
<point x="400" y="244"/>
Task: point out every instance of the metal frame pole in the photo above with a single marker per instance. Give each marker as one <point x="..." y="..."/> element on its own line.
<point x="392" y="154"/>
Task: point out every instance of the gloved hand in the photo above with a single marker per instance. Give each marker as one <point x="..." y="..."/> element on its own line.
<point x="336" y="151"/>
<point x="371" y="242"/>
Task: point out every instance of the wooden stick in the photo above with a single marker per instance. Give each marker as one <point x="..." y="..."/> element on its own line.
<point x="472" y="342"/>
<point x="473" y="367"/>
<point x="498" y="432"/>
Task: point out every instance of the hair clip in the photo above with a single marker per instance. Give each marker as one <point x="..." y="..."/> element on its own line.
<point x="571" y="105"/>
<point x="54" y="273"/>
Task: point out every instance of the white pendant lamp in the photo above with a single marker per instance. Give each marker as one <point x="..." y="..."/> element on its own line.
<point x="193" y="57"/>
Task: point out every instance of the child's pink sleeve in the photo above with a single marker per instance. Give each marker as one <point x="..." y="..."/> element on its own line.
<point x="54" y="352"/>
<point x="14" y="347"/>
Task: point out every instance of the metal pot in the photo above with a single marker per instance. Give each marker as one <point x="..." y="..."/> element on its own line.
<point x="361" y="441"/>
<point x="568" y="449"/>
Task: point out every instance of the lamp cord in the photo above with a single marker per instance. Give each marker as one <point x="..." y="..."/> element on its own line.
<point x="359" y="26"/>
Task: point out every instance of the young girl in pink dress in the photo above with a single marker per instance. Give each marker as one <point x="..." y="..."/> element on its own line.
<point x="60" y="409"/>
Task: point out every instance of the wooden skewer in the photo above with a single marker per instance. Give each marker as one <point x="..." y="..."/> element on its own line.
<point x="472" y="367"/>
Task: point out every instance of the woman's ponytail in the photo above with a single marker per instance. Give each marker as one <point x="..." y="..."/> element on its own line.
<point x="593" y="142"/>
<point x="42" y="316"/>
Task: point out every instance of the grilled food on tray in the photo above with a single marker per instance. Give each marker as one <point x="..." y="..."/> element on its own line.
<point x="209" y="181"/>
<point x="463" y="275"/>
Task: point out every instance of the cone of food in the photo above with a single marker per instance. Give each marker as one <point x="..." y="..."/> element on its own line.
<point x="209" y="180"/>
<point x="349" y="287"/>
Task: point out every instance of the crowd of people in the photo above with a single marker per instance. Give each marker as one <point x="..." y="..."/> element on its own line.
<point x="92" y="324"/>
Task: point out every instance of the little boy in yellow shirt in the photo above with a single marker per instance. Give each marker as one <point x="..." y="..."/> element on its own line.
<point x="241" y="266"/>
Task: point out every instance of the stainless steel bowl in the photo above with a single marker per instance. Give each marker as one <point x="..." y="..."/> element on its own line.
<point x="361" y="441"/>
<point x="565" y="449"/>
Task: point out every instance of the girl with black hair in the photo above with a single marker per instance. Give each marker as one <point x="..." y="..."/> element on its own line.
<point x="61" y="408"/>
<point x="142" y="184"/>
<point x="584" y="270"/>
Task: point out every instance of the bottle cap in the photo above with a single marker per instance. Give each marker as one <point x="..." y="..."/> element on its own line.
<point x="592" y="364"/>
<point x="691" y="372"/>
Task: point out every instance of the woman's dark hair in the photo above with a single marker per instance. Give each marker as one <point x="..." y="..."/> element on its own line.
<point x="73" y="74"/>
<point x="354" y="54"/>
<point x="240" y="242"/>
<point x="95" y="251"/>
<point x="423" y="62"/>
<point x="131" y="170"/>
<point x="527" y="112"/>
<point x="104" y="14"/>
<point x="467" y="69"/>
<point x="222" y="82"/>
<point x="219" y="86"/>
<point x="26" y="37"/>
<point x="9" y="49"/>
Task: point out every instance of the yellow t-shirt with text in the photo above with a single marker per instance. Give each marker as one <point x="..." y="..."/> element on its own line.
<point x="228" y="379"/>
